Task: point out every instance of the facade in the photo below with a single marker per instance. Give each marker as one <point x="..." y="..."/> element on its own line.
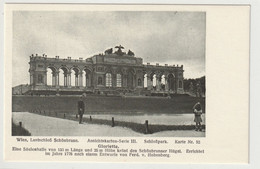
<point x="109" y="71"/>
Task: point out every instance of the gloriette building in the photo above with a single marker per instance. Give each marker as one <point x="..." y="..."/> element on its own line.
<point x="103" y="73"/>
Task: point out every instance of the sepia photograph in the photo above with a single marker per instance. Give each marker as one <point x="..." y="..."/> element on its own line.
<point x="109" y="73"/>
<point x="126" y="83"/>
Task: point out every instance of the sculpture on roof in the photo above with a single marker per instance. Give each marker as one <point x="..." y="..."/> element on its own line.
<point x="109" y="51"/>
<point x="130" y="53"/>
<point x="120" y="47"/>
<point x="119" y="51"/>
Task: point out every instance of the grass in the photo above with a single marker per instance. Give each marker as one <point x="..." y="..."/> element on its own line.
<point x="58" y="106"/>
<point x="99" y="104"/>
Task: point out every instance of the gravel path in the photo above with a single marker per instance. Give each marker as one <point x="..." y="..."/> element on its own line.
<point x="164" y="119"/>
<point x="39" y="125"/>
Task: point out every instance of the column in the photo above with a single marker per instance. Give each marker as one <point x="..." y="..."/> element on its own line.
<point x="53" y="78"/>
<point x="65" y="79"/>
<point x="134" y="80"/>
<point x="87" y="79"/>
<point x="45" y="79"/>
<point x="143" y="80"/>
<point x="124" y="80"/>
<point x="176" y="84"/>
<point x="148" y="82"/>
<point x="76" y="80"/>
<point x="90" y="79"/>
<point x="166" y="85"/>
<point x="157" y="83"/>
<point x="112" y="80"/>
<point x="69" y="79"/>
<point x="31" y="79"/>
<point x="57" y="78"/>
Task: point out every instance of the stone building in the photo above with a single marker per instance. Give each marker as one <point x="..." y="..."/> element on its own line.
<point x="106" y="72"/>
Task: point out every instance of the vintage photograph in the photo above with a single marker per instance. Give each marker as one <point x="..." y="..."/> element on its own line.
<point x="109" y="73"/>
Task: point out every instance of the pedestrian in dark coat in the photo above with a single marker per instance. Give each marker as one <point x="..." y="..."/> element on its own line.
<point x="81" y="109"/>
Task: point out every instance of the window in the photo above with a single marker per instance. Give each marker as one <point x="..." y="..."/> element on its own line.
<point x="99" y="80"/>
<point x="139" y="82"/>
<point x="180" y="84"/>
<point x="108" y="80"/>
<point x="118" y="80"/>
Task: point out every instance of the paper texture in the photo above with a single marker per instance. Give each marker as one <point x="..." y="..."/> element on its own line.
<point x="226" y="101"/>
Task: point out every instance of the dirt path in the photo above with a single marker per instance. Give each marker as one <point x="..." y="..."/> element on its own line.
<point x="39" y="125"/>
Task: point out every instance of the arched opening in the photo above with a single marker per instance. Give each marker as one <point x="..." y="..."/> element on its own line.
<point x="118" y="80"/>
<point x="51" y="76"/>
<point x="154" y="81"/>
<point x="84" y="81"/>
<point x="171" y="82"/>
<point x="163" y="82"/>
<point x="108" y="80"/>
<point x="145" y="80"/>
<point x="163" y="79"/>
<point x="87" y="78"/>
<point x="74" y="76"/>
<point x="150" y="80"/>
<point x="63" y="76"/>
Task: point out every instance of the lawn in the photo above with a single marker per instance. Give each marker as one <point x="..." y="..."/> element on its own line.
<point x="103" y="105"/>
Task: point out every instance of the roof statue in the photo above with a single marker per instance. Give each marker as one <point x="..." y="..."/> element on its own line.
<point x="109" y="51"/>
<point x="119" y="51"/>
<point x="130" y="53"/>
<point x="120" y="47"/>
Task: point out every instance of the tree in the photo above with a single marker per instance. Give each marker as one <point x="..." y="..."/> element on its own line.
<point x="190" y="85"/>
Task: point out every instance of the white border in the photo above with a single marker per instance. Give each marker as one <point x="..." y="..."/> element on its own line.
<point x="254" y="91"/>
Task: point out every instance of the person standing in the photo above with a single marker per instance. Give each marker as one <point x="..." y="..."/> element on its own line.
<point x="81" y="109"/>
<point x="197" y="110"/>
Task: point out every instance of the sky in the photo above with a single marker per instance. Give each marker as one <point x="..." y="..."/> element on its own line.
<point x="164" y="37"/>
